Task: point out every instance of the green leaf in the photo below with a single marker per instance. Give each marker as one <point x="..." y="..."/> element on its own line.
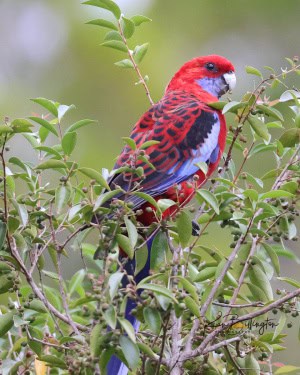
<point x="217" y="105"/>
<point x="127" y="27"/>
<point x="164" y="204"/>
<point x="62" y="196"/>
<point x="233" y="107"/>
<point x="270" y="111"/>
<point x="103" y="23"/>
<point x="50" y="151"/>
<point x="125" y="244"/>
<point x="113" y="35"/>
<point x="53" y="361"/>
<point x="228" y="278"/>
<point x="115" y="44"/>
<point x="259" y="128"/>
<point x="139" y="19"/>
<point x="184" y="227"/>
<point x="148" y="144"/>
<point x="35" y="346"/>
<point x="52" y="164"/>
<point x="252" y="365"/>
<point x="50" y="274"/>
<point x="105" y="197"/>
<point x="4" y="129"/>
<point x="209" y="198"/>
<point x="262" y="147"/>
<point x="275" y="194"/>
<point x="290" y="137"/>
<point x="192" y="306"/>
<point x="202" y="166"/>
<point x="47" y="104"/>
<point x="125" y="64"/>
<point x="80" y="124"/>
<point x="110" y="317"/>
<point x="68" y="142"/>
<point x="130" y="142"/>
<point x="18" y="321"/>
<point x="189" y="287"/>
<point x="22" y="211"/>
<point x="45" y="124"/>
<point x="141" y="256"/>
<point x="290" y="186"/>
<point x="153" y="319"/>
<point x="76" y="281"/>
<point x="251" y="193"/>
<point x="140" y="52"/>
<point x="21" y="125"/>
<point x="5" y="285"/>
<point x="96" y="340"/>
<point x="6" y="323"/>
<point x="131" y="352"/>
<point x="114" y="283"/>
<point x="147" y="350"/>
<point x="128" y="328"/>
<point x="159" y="250"/>
<point x="206" y="273"/>
<point x="3" y="229"/>
<point x="157" y="289"/>
<point x="106" y="4"/>
<point x="273" y="256"/>
<point x="131" y="230"/>
<point x="254" y="71"/>
<point x="280" y="326"/>
<point x="91" y="173"/>
<point x="290" y="281"/>
<point x="147" y="198"/>
<point x="259" y="278"/>
<point x="38" y="306"/>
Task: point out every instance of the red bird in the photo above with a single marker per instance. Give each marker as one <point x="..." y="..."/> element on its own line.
<point x="187" y="132"/>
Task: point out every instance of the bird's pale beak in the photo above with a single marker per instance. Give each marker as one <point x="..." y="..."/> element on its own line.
<point x="230" y="80"/>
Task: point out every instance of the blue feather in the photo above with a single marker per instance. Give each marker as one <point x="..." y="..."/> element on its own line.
<point x="115" y="366"/>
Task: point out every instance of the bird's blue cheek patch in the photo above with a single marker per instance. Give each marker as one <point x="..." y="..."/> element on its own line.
<point x="207" y="84"/>
<point x="212" y="85"/>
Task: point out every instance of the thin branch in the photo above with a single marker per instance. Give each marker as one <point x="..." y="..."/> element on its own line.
<point x="37" y="290"/>
<point x="239" y="306"/>
<point x="136" y="68"/>
<point x="224" y="270"/>
<point x="239" y="370"/>
<point x="164" y="337"/>
<point x="220" y="344"/>
<point x="63" y="294"/>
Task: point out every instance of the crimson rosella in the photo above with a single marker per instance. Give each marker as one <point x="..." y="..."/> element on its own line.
<point x="188" y="132"/>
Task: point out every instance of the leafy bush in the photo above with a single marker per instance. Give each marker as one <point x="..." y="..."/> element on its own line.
<point x="203" y="309"/>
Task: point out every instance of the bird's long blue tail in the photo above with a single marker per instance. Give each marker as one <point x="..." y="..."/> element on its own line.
<point x="115" y="366"/>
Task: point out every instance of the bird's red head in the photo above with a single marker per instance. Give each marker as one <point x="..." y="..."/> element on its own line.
<point x="213" y="74"/>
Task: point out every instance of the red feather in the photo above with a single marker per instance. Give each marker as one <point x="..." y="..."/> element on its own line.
<point x="188" y="131"/>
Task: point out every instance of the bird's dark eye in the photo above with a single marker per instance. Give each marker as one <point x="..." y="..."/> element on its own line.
<point x="210" y="66"/>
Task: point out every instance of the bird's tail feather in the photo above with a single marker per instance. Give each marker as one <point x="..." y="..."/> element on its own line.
<point x="115" y="366"/>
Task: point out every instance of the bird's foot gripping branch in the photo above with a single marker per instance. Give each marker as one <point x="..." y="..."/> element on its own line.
<point x="159" y="297"/>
